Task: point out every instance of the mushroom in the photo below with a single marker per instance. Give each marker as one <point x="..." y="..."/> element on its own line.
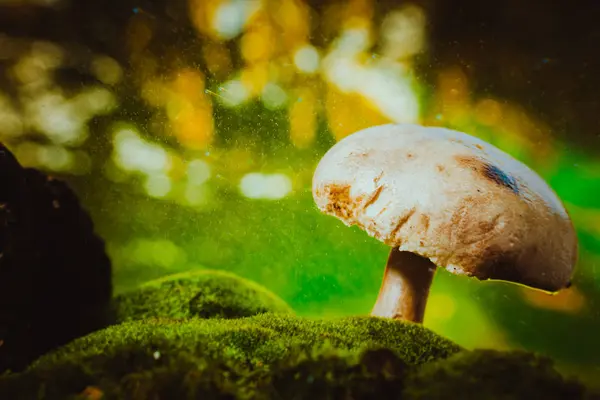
<point x="443" y="198"/>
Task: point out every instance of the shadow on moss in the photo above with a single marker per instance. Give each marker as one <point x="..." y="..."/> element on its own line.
<point x="205" y="294"/>
<point x="489" y="374"/>
<point x="373" y="374"/>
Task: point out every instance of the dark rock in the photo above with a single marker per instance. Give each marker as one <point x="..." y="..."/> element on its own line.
<point x="55" y="277"/>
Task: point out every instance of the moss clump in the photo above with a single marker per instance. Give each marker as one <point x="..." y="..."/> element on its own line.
<point x="488" y="374"/>
<point x="255" y="341"/>
<point x="197" y="343"/>
<point x="372" y="374"/>
<point x="205" y="294"/>
<point x="244" y="358"/>
<point x="381" y="374"/>
<point x="275" y="356"/>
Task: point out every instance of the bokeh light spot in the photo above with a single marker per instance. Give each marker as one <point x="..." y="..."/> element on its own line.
<point x="132" y="153"/>
<point x="158" y="185"/>
<point x="307" y="59"/>
<point x="265" y="186"/>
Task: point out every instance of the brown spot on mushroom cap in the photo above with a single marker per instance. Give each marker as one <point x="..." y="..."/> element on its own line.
<point x="399" y="224"/>
<point x="425" y="219"/>
<point x="487" y="215"/>
<point x="339" y="202"/>
<point x="374" y="197"/>
<point x="488" y="171"/>
<point x="468" y="162"/>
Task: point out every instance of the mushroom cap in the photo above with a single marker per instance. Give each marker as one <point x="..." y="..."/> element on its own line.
<point x="464" y="204"/>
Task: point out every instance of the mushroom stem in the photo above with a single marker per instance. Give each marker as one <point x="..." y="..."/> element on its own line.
<point x="405" y="287"/>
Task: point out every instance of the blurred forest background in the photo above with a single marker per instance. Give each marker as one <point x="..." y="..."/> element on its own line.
<point x="191" y="128"/>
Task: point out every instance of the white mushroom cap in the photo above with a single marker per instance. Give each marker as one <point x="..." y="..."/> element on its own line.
<point x="452" y="198"/>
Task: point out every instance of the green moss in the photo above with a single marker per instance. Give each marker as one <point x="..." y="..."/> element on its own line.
<point x="273" y="356"/>
<point x="372" y="374"/>
<point x="188" y="337"/>
<point x="259" y="340"/>
<point x="205" y="294"/>
<point x="182" y="358"/>
<point x="488" y="374"/>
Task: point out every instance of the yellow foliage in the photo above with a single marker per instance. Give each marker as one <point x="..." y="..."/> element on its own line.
<point x="190" y="110"/>
<point x="292" y="18"/>
<point x="255" y="77"/>
<point x="259" y="41"/>
<point x="350" y="112"/>
<point x="303" y="119"/>
<point x="201" y="14"/>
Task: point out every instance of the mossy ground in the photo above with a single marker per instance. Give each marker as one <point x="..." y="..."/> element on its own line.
<point x="204" y="293"/>
<point x="218" y="356"/>
<point x="171" y="352"/>
<point x="489" y="374"/>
